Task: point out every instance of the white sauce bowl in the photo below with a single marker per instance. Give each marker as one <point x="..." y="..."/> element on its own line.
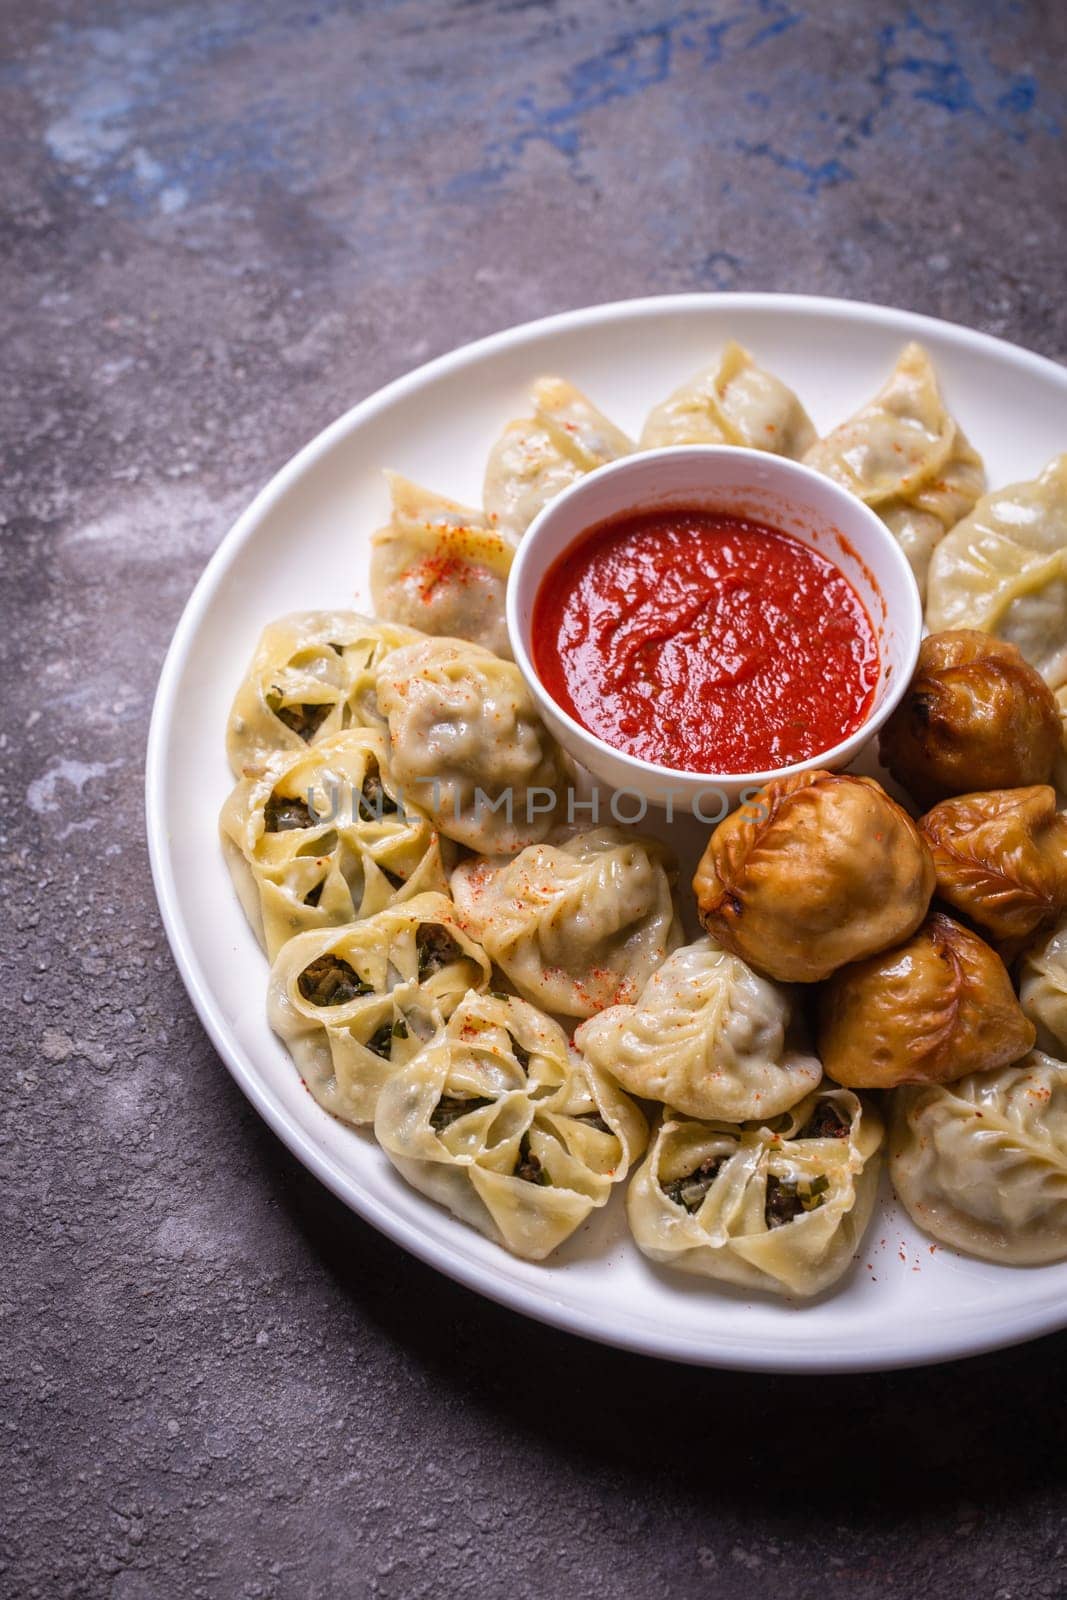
<point x="746" y="483"/>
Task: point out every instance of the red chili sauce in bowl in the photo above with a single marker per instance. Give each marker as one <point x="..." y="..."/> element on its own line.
<point x="705" y="642"/>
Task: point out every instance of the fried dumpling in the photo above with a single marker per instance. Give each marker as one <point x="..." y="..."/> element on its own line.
<point x="820" y="868"/>
<point x="576" y="926"/>
<point x="1003" y="569"/>
<point x="1043" y="989"/>
<point x="976" y="715"/>
<point x="782" y="1209"/>
<point x="352" y="1003"/>
<point x="319" y="837"/>
<point x="1001" y="859"/>
<point x="708" y="1036"/>
<point x="931" y="1010"/>
<point x="441" y="568"/>
<point x="498" y="1121"/>
<point x="981" y="1164"/>
<point x="905" y="457"/>
<point x="312" y="675"/>
<point x="732" y="402"/>
<point x="467" y="746"/>
<point x="538" y="456"/>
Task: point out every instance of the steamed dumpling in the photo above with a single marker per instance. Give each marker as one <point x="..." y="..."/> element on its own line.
<point x="441" y="568"/>
<point x="538" y="456"/>
<point x="576" y="926"/>
<point x="708" y="1036"/>
<point x="906" y="457"/>
<point x="782" y="1209"/>
<point x="1004" y="570"/>
<point x="498" y="1121"/>
<point x="311" y="676"/>
<point x="467" y="746"/>
<point x="319" y="837"/>
<point x="981" y="1164"/>
<point x="732" y="402"/>
<point x="1043" y="990"/>
<point x="352" y="1003"/>
<point x="816" y="870"/>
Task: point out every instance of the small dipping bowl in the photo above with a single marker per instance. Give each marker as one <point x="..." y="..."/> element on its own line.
<point x="752" y="484"/>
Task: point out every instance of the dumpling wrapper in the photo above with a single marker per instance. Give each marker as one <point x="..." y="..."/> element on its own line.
<point x="981" y="1164"/>
<point x="540" y="455"/>
<point x="317" y="838"/>
<point x="781" y="1209"/>
<point x="708" y="1036"/>
<point x="576" y="926"/>
<point x="908" y="459"/>
<point x="312" y="675"/>
<point x="1043" y="990"/>
<point x="1003" y="569"/>
<point x="732" y="402"/>
<point x="499" y="1121"/>
<point x="441" y="568"/>
<point x="353" y="1003"/>
<point x="467" y="747"/>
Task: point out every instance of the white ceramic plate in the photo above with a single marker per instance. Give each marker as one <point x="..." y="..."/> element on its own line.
<point x="304" y="543"/>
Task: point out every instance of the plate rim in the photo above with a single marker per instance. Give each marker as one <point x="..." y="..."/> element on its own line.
<point x="543" y="1308"/>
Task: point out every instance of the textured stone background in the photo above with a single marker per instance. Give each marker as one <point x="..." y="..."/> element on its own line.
<point x="223" y="224"/>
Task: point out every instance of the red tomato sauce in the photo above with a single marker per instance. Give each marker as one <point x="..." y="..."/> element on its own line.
<point x="704" y="642"/>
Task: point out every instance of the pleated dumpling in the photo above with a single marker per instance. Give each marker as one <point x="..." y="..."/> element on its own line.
<point x="576" y="926"/>
<point x="441" y="567"/>
<point x="981" y="1164"/>
<point x="782" y="1209"/>
<point x="467" y="746"/>
<point x="708" y="1036"/>
<point x="312" y="675"/>
<point x="319" y="837"/>
<point x="732" y="402"/>
<point x="908" y="459"/>
<point x="352" y="1003"/>
<point x="564" y="437"/>
<point x="1043" y="989"/>
<point x="498" y="1121"/>
<point x="1003" y="570"/>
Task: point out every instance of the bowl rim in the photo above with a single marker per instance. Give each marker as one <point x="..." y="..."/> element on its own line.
<point x="910" y="628"/>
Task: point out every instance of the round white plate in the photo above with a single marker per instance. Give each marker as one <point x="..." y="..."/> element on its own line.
<point x="304" y="543"/>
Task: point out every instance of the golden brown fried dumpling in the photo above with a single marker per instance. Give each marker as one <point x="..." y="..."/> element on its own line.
<point x="1001" y="859"/>
<point x="929" y="1011"/>
<point x="982" y="1164"/>
<point x="821" y="868"/>
<point x="976" y="716"/>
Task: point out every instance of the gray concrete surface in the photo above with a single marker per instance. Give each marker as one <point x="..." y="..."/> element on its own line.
<point x="223" y="223"/>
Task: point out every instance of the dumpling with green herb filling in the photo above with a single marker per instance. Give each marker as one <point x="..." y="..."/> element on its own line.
<point x="312" y="675"/>
<point x="498" y="1121"/>
<point x="320" y="837"/>
<point x="781" y="1208"/>
<point x="352" y="1003"/>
